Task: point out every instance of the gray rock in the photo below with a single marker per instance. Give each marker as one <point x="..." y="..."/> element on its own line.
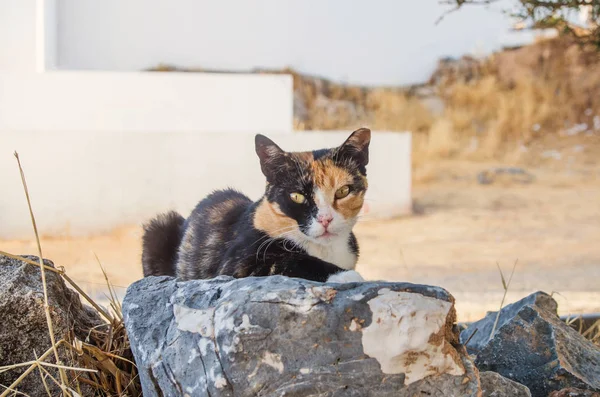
<point x="534" y="347"/>
<point x="276" y="336"/>
<point x="24" y="329"/>
<point x="496" y="385"/>
<point x="484" y="326"/>
<point x="572" y="392"/>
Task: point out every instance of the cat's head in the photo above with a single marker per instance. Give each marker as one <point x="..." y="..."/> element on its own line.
<point x="313" y="196"/>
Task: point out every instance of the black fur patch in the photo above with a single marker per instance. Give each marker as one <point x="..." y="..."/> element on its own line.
<point x="160" y="242"/>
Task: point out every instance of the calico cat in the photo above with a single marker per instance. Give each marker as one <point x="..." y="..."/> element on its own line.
<point x="301" y="227"/>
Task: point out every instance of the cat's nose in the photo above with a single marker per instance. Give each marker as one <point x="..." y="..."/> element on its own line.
<point x="324" y="220"/>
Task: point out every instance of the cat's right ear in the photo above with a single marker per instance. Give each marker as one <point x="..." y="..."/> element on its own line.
<point x="269" y="153"/>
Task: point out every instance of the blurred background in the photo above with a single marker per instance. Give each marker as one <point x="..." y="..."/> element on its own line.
<point x="486" y="120"/>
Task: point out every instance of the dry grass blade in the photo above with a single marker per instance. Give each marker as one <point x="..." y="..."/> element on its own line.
<point x="593" y="332"/>
<point x="49" y="375"/>
<point x="63" y="375"/>
<point x="15" y="392"/>
<point x="42" y="376"/>
<point x="501" y="277"/>
<point x="30" y="262"/>
<point x="115" y="304"/>
<point x="98" y="308"/>
<point x="13" y="366"/>
<point x="103" y="359"/>
<point x="66" y="367"/>
<point x="471" y="336"/>
<point x="505" y="285"/>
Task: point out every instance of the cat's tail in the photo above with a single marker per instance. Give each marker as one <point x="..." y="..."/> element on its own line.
<point x="160" y="243"/>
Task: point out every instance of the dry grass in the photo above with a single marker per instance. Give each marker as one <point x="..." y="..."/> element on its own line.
<point x="490" y="107"/>
<point x="103" y="361"/>
<point x="589" y="330"/>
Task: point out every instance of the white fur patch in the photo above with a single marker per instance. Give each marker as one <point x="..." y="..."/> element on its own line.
<point x="350" y="276"/>
<point x="338" y="252"/>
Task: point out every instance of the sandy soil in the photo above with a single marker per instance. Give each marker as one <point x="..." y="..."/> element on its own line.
<point x="460" y="231"/>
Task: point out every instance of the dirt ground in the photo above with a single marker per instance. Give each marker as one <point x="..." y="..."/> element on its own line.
<point x="459" y="233"/>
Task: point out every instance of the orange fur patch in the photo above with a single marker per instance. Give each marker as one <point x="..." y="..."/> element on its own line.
<point x="329" y="178"/>
<point x="350" y="206"/>
<point x="269" y="218"/>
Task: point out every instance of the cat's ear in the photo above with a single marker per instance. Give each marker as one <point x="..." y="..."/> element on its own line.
<point x="357" y="146"/>
<point x="269" y="153"/>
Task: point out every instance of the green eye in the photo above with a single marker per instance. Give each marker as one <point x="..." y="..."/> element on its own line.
<point x="342" y="192"/>
<point x="297" y="198"/>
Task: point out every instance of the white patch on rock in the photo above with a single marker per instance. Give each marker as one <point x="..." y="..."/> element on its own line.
<point x="301" y="303"/>
<point x="271" y="295"/>
<point x="245" y="325"/>
<point x="305" y="371"/>
<point x="220" y="381"/>
<point x="402" y="336"/>
<point x="354" y="326"/>
<point x="356" y="297"/>
<point x="273" y="360"/>
<point x="203" y="345"/>
<point x="234" y="347"/>
<point x="199" y="321"/>
<point x="193" y="355"/>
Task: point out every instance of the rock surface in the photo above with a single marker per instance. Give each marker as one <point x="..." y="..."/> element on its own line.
<point x="496" y="385"/>
<point x="572" y="392"/>
<point x="278" y="336"/>
<point x="24" y="329"/>
<point x="484" y="326"/>
<point x="532" y="346"/>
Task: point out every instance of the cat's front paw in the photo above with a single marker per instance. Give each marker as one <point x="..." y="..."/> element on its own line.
<point x="349" y="276"/>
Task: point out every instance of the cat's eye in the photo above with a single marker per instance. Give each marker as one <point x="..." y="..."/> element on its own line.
<point x="297" y="198"/>
<point x="342" y="192"/>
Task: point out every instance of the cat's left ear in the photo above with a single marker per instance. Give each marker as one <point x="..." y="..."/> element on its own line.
<point x="357" y="146"/>
<point x="269" y="154"/>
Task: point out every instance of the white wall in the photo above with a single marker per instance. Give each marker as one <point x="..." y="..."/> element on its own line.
<point x="370" y="42"/>
<point x="82" y="183"/>
<point x="145" y="101"/>
<point x="17" y="35"/>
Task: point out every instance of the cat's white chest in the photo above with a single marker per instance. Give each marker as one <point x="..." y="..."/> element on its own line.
<point x="337" y="253"/>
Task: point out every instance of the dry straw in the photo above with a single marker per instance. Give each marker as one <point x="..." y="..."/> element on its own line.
<point x="102" y="362"/>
